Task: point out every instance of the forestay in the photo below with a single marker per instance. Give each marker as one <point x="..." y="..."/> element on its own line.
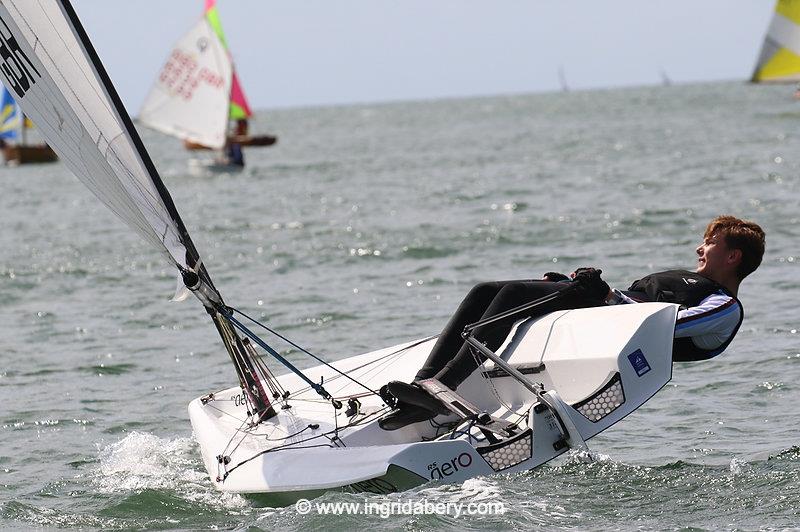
<point x="54" y="74"/>
<point x="190" y="98"/>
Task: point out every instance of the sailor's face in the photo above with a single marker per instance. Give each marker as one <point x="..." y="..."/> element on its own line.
<point x="713" y="256"/>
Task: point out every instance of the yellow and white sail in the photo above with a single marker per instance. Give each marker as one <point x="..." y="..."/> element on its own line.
<point x="779" y="61"/>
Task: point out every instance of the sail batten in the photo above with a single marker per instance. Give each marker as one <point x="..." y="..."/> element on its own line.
<point x="62" y="85"/>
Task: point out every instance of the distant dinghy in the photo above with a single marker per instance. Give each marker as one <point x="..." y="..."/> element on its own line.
<point x="13" y="136"/>
<point x="779" y="60"/>
<point x="198" y="91"/>
<point x="244" y="140"/>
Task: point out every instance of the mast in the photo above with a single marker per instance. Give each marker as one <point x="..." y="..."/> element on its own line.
<point x="192" y="255"/>
<point x="204" y="288"/>
<point x="248" y="376"/>
<point x="81" y="115"/>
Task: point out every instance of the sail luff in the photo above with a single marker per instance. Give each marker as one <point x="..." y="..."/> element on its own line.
<point x="60" y="83"/>
<point x="141" y="152"/>
<point x="38" y="96"/>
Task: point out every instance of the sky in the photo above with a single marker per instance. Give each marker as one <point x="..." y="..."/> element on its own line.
<point x="320" y="52"/>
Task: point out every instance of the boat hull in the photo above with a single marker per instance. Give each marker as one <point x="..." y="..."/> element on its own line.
<point x="587" y="358"/>
<point x="249" y="141"/>
<point x="25" y="154"/>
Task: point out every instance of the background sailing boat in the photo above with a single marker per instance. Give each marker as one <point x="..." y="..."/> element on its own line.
<point x="197" y="91"/>
<point x="665" y="79"/>
<point x="779" y="60"/>
<point x="562" y="79"/>
<point x="240" y="111"/>
<point x="13" y="126"/>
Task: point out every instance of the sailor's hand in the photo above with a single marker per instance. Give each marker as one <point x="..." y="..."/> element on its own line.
<point x="590" y="284"/>
<point x="554" y="277"/>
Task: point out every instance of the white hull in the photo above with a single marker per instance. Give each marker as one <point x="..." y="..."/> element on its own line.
<point x="575" y="353"/>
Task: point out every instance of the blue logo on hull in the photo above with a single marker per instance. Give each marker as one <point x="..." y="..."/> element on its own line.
<point x="639" y="363"/>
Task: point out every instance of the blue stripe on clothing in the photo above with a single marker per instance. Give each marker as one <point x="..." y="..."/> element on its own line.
<point x="715" y="315"/>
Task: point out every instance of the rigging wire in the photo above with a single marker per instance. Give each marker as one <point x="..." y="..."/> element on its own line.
<point x="332" y="436"/>
<point x="228" y="313"/>
<point x="312" y="355"/>
<point x="381" y="359"/>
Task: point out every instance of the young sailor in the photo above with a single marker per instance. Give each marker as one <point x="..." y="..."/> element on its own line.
<point x="232" y="151"/>
<point x="709" y="317"/>
<point x="233" y="154"/>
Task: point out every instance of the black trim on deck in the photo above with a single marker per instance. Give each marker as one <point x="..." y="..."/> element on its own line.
<point x="525" y="369"/>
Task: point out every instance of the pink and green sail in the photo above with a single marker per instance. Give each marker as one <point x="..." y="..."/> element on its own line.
<point x="239" y="106"/>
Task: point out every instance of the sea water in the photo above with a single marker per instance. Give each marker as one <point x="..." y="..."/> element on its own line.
<point x="362" y="228"/>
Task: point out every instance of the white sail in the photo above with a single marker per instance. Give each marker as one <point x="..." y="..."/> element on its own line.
<point x="190" y="98"/>
<point x="53" y="72"/>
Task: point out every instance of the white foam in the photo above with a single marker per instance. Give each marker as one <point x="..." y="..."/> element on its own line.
<point x="575" y="456"/>
<point x="142" y="461"/>
<point x="477" y="489"/>
<point x="737" y="466"/>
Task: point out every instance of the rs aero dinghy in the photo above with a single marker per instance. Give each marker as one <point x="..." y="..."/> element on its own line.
<point x="557" y="380"/>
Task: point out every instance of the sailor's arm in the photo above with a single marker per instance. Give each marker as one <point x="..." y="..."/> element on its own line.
<point x="708" y="324"/>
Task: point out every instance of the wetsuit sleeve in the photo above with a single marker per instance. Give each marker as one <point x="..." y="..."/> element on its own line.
<point x="618" y="298"/>
<point x="710" y="323"/>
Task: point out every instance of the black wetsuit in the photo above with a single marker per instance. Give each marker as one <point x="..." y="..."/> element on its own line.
<point x="483" y="301"/>
<point x="688" y="289"/>
<point x="706" y="307"/>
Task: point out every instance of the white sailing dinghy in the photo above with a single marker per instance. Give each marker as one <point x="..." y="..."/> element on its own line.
<point x="557" y="381"/>
<point x="191" y="96"/>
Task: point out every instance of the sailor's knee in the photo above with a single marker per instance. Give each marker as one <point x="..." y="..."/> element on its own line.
<point x="511" y="288"/>
<point x="483" y="289"/>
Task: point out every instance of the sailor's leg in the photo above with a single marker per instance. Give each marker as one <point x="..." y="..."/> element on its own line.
<point x="484" y="300"/>
<point x="469" y="311"/>
<point x="460" y="366"/>
<point x="493" y="335"/>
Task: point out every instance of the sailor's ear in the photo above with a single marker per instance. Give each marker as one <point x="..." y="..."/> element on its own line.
<point x="735" y="256"/>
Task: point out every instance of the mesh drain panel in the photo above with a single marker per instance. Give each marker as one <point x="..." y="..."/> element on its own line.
<point x="510" y="452"/>
<point x="611" y="397"/>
